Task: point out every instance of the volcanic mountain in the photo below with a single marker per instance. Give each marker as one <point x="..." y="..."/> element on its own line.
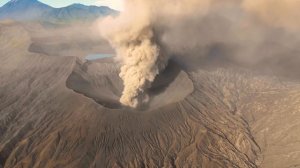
<point x="33" y="10"/>
<point x="58" y="111"/>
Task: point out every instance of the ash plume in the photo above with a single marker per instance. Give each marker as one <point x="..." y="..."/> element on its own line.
<point x="135" y="35"/>
<point x="258" y="34"/>
<point x="262" y="35"/>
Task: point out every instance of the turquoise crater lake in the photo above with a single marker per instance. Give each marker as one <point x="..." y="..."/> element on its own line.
<point x="92" y="57"/>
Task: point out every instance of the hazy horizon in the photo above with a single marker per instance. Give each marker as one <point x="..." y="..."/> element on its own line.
<point x="114" y="4"/>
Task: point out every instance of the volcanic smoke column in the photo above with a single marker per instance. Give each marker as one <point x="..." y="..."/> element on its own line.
<point x="136" y="35"/>
<point x="140" y="67"/>
<point x="133" y="37"/>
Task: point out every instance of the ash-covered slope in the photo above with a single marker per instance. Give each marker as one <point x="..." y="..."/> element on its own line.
<point x="274" y="118"/>
<point x="58" y="112"/>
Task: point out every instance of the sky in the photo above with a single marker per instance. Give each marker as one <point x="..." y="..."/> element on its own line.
<point x="115" y="4"/>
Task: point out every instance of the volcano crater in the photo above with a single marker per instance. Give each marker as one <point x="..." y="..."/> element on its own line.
<point x="99" y="80"/>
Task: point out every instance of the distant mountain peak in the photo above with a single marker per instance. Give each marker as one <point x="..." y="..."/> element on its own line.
<point x="77" y="5"/>
<point x="13" y="3"/>
<point x="24" y="10"/>
<point x="18" y="1"/>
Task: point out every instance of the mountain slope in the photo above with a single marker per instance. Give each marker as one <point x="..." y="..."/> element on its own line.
<point x="43" y="123"/>
<point x="56" y="112"/>
<point x="23" y="10"/>
<point x="33" y="10"/>
<point x="77" y="12"/>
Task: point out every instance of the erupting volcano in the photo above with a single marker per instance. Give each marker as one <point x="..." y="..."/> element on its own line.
<point x="163" y="83"/>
